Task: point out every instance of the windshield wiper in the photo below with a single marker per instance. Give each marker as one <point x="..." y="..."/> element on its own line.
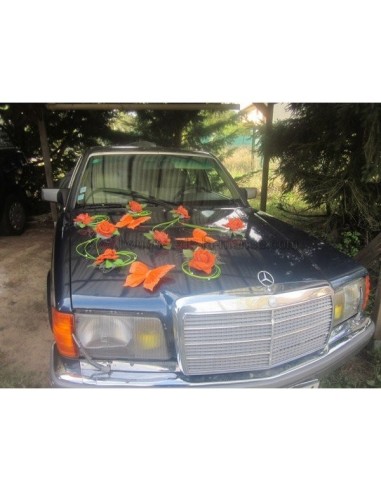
<point x="133" y="194"/>
<point x="150" y="199"/>
<point x="101" y="205"/>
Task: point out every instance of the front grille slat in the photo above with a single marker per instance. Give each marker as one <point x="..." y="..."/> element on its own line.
<point x="237" y="341"/>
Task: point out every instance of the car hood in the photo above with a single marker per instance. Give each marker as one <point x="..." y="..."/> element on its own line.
<point x="289" y="255"/>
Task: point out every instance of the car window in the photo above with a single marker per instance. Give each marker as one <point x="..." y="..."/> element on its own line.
<point x="112" y="178"/>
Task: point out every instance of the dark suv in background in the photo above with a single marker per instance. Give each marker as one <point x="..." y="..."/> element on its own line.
<point x="13" y="200"/>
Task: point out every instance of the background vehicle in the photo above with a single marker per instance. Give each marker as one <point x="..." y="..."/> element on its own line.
<point x="164" y="275"/>
<point x="13" y="199"/>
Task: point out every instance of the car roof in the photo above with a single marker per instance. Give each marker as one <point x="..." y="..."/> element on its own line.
<point x="145" y="147"/>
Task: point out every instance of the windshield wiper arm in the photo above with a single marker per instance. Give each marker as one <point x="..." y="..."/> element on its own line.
<point x="101" y="205"/>
<point x="150" y="199"/>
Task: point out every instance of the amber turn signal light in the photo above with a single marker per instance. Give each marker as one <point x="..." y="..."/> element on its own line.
<point x="366" y="293"/>
<point x="63" y="325"/>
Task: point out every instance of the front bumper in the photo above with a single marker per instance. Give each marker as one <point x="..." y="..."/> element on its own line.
<point x="67" y="373"/>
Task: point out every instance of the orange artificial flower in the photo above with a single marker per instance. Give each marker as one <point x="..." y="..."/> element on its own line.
<point x="83" y="219"/>
<point x="203" y="260"/>
<point x="109" y="254"/>
<point x="182" y="212"/>
<point x="105" y="229"/>
<point x="199" y="236"/>
<point x="162" y="238"/>
<point x="135" y="206"/>
<point x="131" y="223"/>
<point x="235" y="224"/>
<point x="141" y="274"/>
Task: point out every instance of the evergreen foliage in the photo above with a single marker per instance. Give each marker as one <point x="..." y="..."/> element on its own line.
<point x="331" y="153"/>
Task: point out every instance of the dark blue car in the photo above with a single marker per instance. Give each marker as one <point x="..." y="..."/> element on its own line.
<point x="163" y="275"/>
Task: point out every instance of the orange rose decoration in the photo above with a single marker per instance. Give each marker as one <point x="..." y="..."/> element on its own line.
<point x="235" y="224"/>
<point x="203" y="260"/>
<point x="181" y="212"/>
<point x="105" y="229"/>
<point x="135" y="206"/>
<point x="109" y="254"/>
<point x="83" y="220"/>
<point x="162" y="238"/>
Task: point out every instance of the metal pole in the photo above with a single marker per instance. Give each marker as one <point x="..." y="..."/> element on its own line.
<point x="46" y="157"/>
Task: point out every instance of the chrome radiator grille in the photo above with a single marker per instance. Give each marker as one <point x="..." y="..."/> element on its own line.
<point x="229" y="340"/>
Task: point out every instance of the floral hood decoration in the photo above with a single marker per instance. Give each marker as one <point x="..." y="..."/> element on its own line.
<point x="141" y="274"/>
<point x="86" y="220"/>
<point x="109" y="259"/>
<point x="198" y="236"/>
<point x="199" y="262"/>
<point x="235" y="225"/>
<point x="159" y="238"/>
<point x="180" y="212"/>
<point x="105" y="229"/>
<point x="130" y="222"/>
<point x="137" y="209"/>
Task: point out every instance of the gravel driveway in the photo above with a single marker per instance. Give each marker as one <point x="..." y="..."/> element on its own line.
<point x="25" y="336"/>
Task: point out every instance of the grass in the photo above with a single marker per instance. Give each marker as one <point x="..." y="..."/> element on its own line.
<point x="20" y="379"/>
<point x="362" y="371"/>
<point x="248" y="173"/>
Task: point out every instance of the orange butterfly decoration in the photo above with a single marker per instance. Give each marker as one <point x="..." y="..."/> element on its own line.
<point x="131" y="223"/>
<point x="199" y="236"/>
<point x="141" y="274"/>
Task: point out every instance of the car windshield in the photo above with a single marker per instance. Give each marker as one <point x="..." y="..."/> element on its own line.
<point x="156" y="178"/>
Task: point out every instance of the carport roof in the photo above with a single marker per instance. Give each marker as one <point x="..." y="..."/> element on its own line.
<point x="140" y="106"/>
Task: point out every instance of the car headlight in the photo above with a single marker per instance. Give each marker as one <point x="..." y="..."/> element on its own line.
<point x="128" y="337"/>
<point x="350" y="299"/>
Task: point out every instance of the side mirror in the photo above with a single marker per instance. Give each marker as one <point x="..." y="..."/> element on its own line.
<point x="249" y="193"/>
<point x="50" y="194"/>
<point x="55" y="195"/>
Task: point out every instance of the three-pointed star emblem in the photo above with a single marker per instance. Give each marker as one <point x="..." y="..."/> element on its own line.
<point x="265" y="278"/>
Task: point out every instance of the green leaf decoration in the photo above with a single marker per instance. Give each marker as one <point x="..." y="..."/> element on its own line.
<point x="118" y="263"/>
<point x="109" y="264"/>
<point x="148" y="235"/>
<point x="188" y="253"/>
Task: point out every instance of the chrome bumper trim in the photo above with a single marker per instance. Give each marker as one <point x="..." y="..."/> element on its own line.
<point x="68" y="374"/>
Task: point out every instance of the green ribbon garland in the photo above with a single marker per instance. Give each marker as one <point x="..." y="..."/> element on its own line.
<point x="215" y="274"/>
<point x="82" y="250"/>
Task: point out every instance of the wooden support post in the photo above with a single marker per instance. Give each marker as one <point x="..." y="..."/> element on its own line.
<point x="46" y="157"/>
<point x="266" y="156"/>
